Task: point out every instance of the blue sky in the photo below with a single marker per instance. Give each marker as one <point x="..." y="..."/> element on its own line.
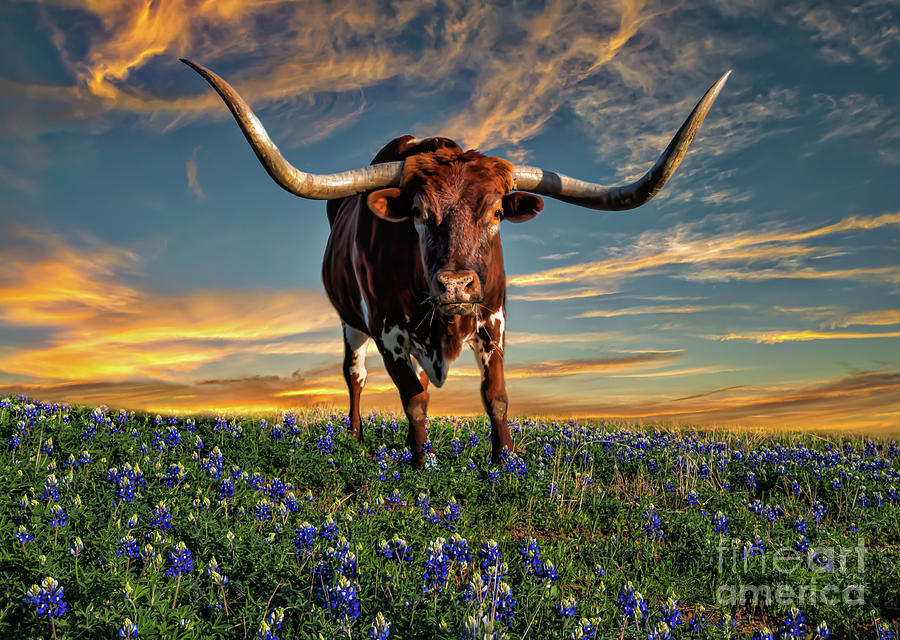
<point x="149" y="262"/>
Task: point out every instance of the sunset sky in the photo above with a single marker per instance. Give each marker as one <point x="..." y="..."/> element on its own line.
<point x="148" y="261"/>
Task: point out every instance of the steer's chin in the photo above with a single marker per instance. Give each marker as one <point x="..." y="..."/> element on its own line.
<point x="457" y="309"/>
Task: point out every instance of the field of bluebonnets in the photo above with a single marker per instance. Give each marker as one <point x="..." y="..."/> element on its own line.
<point x="125" y="525"/>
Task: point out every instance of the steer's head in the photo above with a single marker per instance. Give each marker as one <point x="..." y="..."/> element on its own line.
<point x="456" y="200"/>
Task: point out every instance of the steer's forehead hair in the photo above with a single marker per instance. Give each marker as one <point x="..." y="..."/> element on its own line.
<point x="449" y="173"/>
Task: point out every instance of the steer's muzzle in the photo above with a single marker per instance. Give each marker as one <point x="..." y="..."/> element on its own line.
<point x="457" y="292"/>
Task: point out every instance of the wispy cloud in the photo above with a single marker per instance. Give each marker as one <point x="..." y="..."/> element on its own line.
<point x="191" y="170"/>
<point x="658" y="310"/>
<point x="567" y="294"/>
<point x="654" y="251"/>
<point x="880" y="317"/>
<point x="775" y="337"/>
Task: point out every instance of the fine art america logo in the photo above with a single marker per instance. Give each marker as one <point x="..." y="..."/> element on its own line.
<point x="830" y="575"/>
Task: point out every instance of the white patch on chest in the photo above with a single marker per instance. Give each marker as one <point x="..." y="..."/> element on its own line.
<point x="432" y="361"/>
<point x="396" y="342"/>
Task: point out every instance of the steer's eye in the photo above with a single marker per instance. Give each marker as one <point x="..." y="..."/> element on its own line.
<point x="498" y="213"/>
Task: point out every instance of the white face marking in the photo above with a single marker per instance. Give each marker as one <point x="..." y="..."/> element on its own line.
<point x="396" y="342"/>
<point x="358" y="342"/>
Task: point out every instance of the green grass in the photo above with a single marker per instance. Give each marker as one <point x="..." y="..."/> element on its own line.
<point x="585" y="493"/>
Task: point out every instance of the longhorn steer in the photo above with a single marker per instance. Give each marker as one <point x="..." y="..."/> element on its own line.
<point x="414" y="260"/>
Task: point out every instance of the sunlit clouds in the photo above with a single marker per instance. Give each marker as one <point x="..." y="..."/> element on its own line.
<point x="100" y="327"/>
<point x="681" y="246"/>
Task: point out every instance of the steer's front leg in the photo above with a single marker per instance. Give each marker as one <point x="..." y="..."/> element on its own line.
<point x="488" y="347"/>
<point x="412" y="392"/>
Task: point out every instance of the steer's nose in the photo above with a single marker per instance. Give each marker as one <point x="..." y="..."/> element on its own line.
<point x="457" y="288"/>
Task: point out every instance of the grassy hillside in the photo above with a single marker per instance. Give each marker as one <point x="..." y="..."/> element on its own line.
<point x="152" y="526"/>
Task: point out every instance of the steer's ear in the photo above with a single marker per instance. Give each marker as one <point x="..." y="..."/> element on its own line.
<point x="520" y="206"/>
<point x="390" y="204"/>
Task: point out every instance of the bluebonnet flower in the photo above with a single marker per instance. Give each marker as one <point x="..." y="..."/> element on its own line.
<point x="480" y="626"/>
<point x="586" y="629"/>
<point x="456" y="447"/>
<point x="472" y="441"/>
<point x="504" y="605"/>
<point x="692" y="499"/>
<point x="422" y="502"/>
<point x="381" y="628"/>
<point x="23" y="536"/>
<point x="226" y="490"/>
<point x="631" y="603"/>
<point x="652" y="526"/>
<point x="344" y="603"/>
<point x="451" y="513"/>
<point x="437" y="566"/>
<point x="395" y="549"/>
<point x="670" y="612"/>
<point x="306" y="536"/>
<point x="48" y="598"/>
<point x="802" y="543"/>
<point x="163" y="519"/>
<point x="51" y="488"/>
<point x="794" y="625"/>
<point x="883" y="631"/>
<point x="493" y="475"/>
<point x="531" y="554"/>
<point x="59" y="518"/>
<point x="818" y="510"/>
<point x="720" y="524"/>
<point x="270" y="624"/>
<point x="660" y="631"/>
<point x="175" y="475"/>
<point x="800" y="524"/>
<point x="489" y="554"/>
<point x="395" y="497"/>
<point x="77" y="547"/>
<point x="129" y="547"/>
<point x="566" y="607"/>
<point x="600" y="571"/>
<point x="765" y="633"/>
<point x="457" y="549"/>
<point x="431" y="463"/>
<point x="181" y="559"/>
<point x="263" y="509"/>
<point x="128" y="630"/>
<point x="212" y="570"/>
<point x="823" y="631"/>
<point x="132" y="522"/>
<point x="329" y="529"/>
<point x="553" y="490"/>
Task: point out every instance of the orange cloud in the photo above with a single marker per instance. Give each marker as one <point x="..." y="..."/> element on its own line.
<point x="882" y="317"/>
<point x="100" y="328"/>
<point x="775" y="337"/>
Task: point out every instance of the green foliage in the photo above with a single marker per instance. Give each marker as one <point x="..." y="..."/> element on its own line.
<point x="607" y="506"/>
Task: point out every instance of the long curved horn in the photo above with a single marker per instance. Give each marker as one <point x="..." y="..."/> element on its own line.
<point x="595" y="196"/>
<point x="305" y="185"/>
